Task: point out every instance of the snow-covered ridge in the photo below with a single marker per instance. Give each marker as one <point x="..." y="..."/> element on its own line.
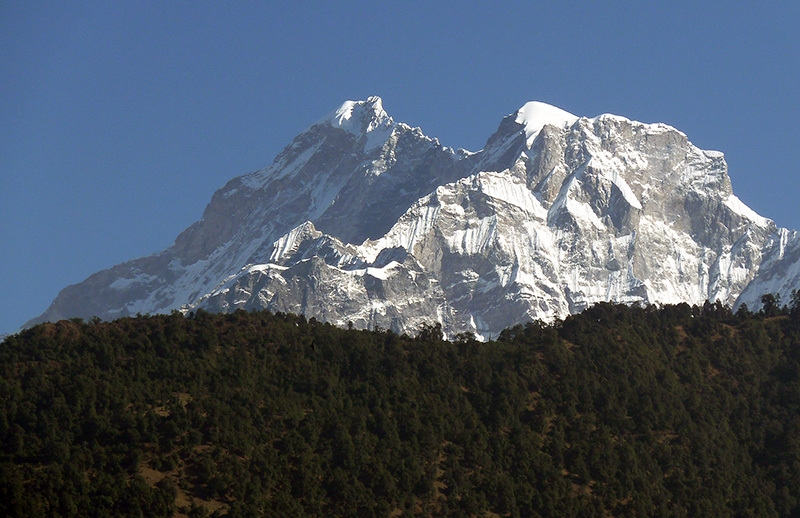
<point x="535" y="115"/>
<point x="288" y="243"/>
<point x="737" y="206"/>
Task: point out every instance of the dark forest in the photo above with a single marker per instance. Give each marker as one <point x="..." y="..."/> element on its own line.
<point x="618" y="411"/>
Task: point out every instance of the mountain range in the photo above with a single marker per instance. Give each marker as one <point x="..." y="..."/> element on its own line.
<point x="365" y="221"/>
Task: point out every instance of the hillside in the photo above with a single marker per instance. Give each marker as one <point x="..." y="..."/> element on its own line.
<point x="617" y="411"/>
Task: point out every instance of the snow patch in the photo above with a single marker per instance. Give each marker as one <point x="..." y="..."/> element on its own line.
<point x="123" y="283"/>
<point x="474" y="239"/>
<point x="502" y="187"/>
<point x="379" y="273"/>
<point x="615" y="178"/>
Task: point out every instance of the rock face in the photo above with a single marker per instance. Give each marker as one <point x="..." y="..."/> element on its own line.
<point x="367" y="221"/>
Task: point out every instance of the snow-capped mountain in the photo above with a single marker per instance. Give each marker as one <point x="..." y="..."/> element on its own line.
<point x="366" y="220"/>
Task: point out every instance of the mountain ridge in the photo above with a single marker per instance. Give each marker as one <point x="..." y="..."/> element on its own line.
<point x="555" y="213"/>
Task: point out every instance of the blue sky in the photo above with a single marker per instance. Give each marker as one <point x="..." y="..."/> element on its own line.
<point x="118" y="120"/>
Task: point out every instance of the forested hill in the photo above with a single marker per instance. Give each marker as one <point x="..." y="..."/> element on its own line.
<point x="618" y="411"/>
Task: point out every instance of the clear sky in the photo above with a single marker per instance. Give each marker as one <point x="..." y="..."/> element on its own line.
<point x="118" y="120"/>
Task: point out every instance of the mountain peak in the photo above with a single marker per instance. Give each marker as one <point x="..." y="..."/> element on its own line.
<point x="360" y="117"/>
<point x="535" y="115"/>
<point x="611" y="210"/>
